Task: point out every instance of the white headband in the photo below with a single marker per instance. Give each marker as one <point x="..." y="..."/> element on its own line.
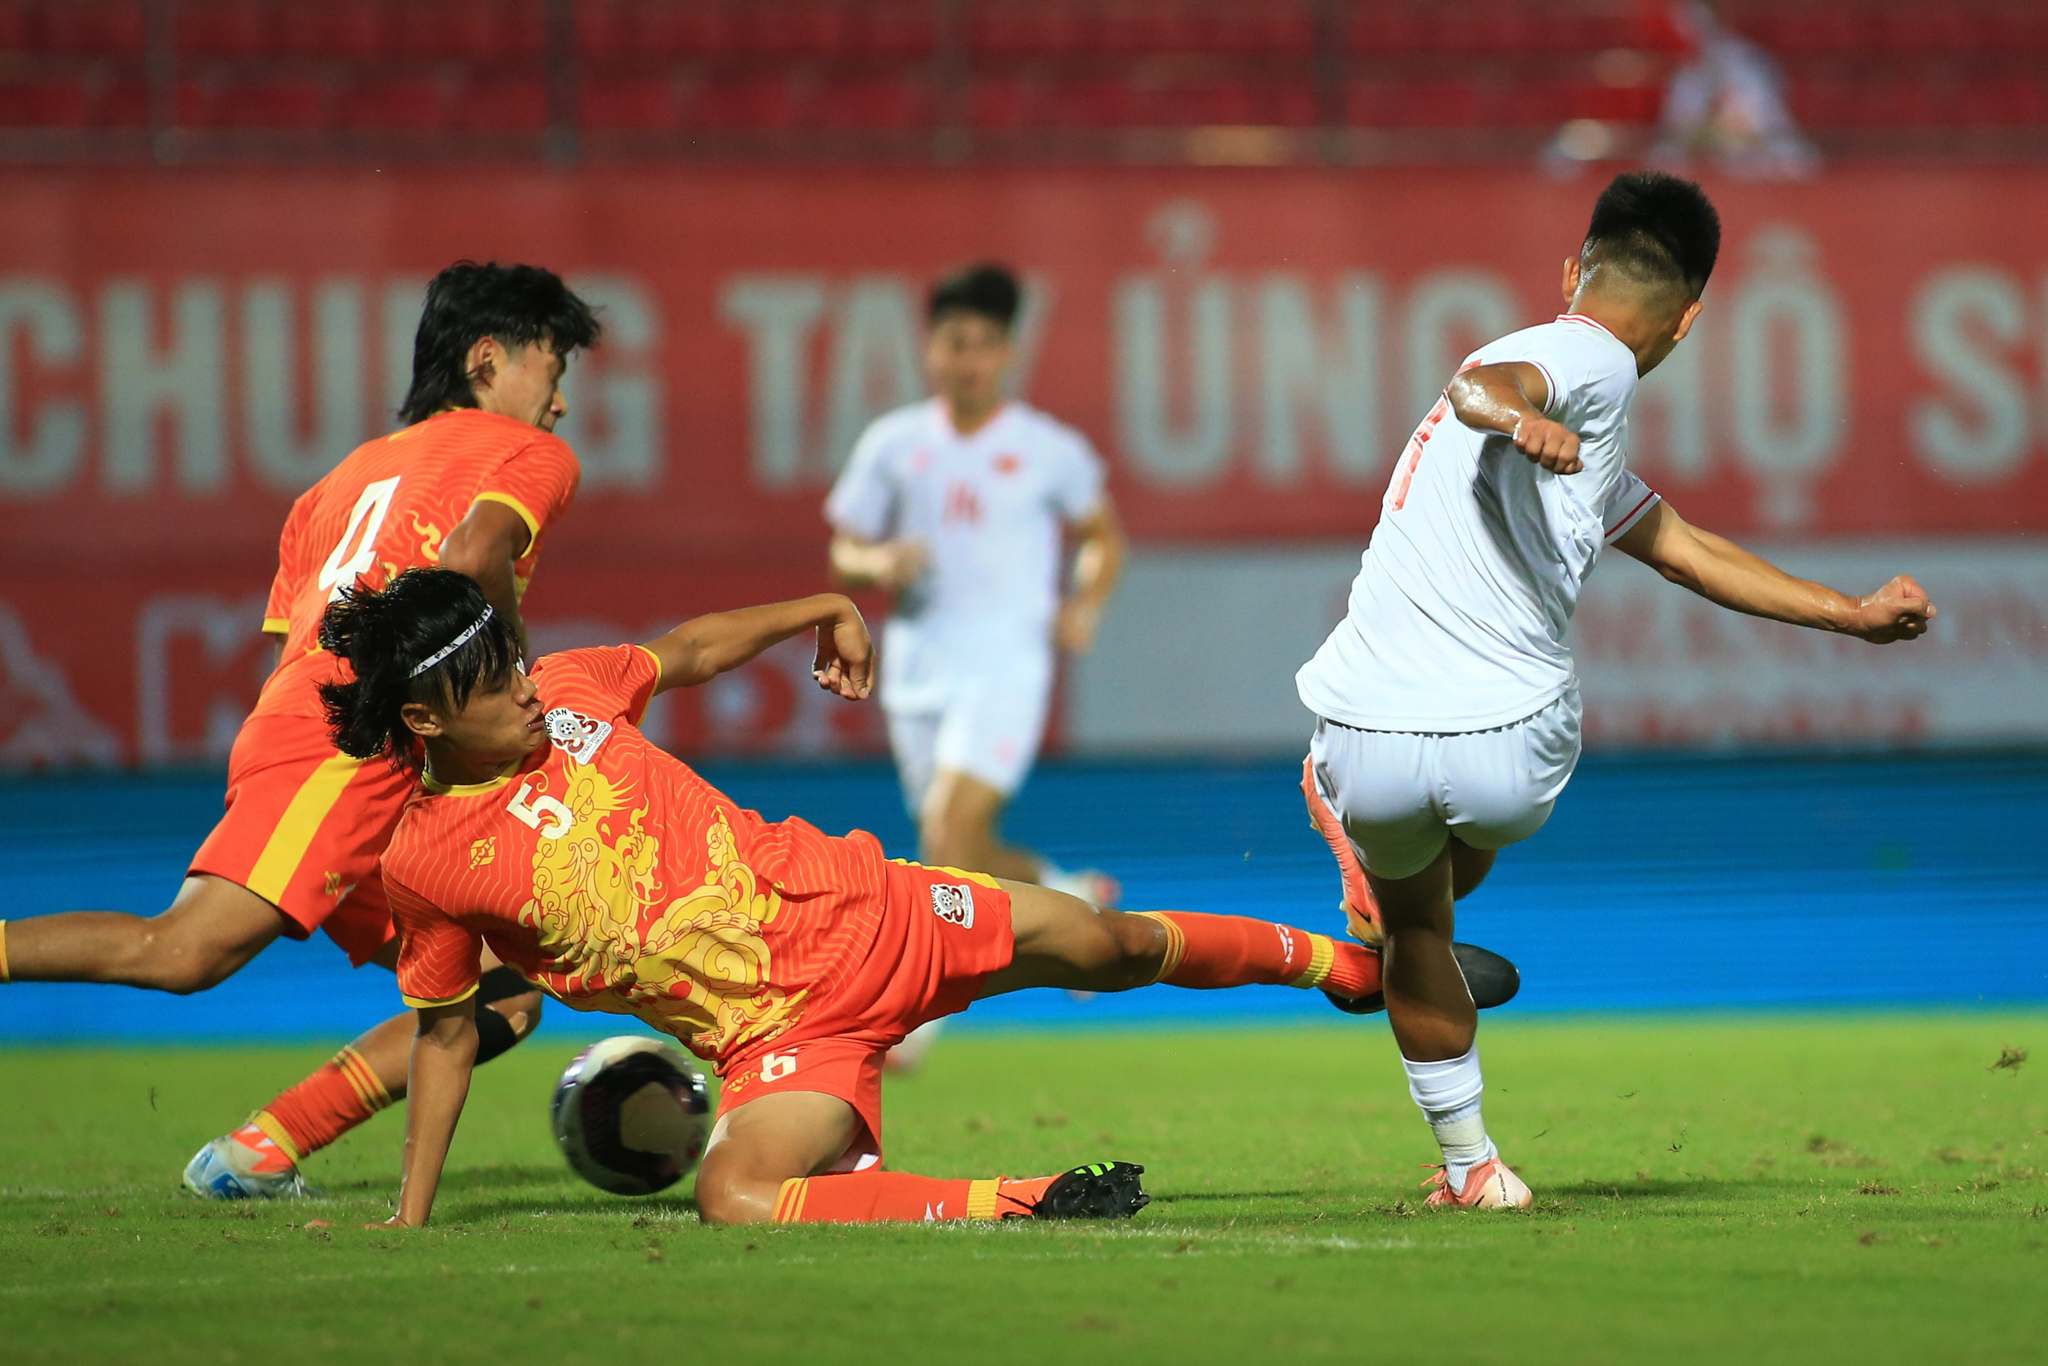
<point x="452" y="646"/>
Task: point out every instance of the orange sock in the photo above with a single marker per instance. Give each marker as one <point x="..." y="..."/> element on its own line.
<point x="877" y="1197"/>
<point x="338" y="1096"/>
<point x="1209" y="951"/>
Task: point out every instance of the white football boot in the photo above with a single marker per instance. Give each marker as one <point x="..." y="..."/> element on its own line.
<point x="232" y="1167"/>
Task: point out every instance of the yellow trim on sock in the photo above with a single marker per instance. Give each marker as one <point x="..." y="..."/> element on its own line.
<point x="361" y="1076"/>
<point x="6" y="973"/>
<point x="1176" y="944"/>
<point x="982" y="1197"/>
<point x="1322" y="956"/>
<point x="267" y="1122"/>
<point x="789" y="1202"/>
<point x="288" y="843"/>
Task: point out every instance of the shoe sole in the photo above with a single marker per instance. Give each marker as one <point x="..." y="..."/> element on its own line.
<point x="1108" y="1190"/>
<point x="1492" y="979"/>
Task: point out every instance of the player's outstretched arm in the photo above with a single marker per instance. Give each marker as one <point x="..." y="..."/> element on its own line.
<point x="443" y="1055"/>
<point x="485" y="545"/>
<point x="1723" y="572"/>
<point x="1509" y="398"/>
<point x="704" y="647"/>
<point x="860" y="563"/>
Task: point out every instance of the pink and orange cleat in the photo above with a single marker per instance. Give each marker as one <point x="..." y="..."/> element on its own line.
<point x="1490" y="1185"/>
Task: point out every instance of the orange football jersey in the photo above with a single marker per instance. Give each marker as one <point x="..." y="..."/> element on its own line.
<point x="387" y="507"/>
<point x="609" y="872"/>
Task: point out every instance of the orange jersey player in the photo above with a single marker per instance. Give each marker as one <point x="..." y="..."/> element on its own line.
<point x="552" y="834"/>
<point x="472" y="483"/>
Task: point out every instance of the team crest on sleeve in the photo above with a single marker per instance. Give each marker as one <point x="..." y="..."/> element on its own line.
<point x="575" y="734"/>
<point x="953" y="904"/>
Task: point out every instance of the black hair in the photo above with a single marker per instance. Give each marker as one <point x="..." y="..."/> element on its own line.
<point x="1657" y="229"/>
<point x="385" y="636"/>
<point x="986" y="289"/>
<point x="518" y="305"/>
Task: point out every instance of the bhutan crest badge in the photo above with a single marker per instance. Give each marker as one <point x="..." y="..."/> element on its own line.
<point x="575" y="734"/>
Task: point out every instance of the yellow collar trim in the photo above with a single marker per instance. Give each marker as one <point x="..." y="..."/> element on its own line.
<point x="435" y="785"/>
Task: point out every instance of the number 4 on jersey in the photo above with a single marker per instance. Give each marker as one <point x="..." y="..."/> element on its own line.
<point x="357" y="551"/>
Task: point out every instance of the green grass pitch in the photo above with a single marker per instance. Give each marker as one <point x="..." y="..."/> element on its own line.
<point x="1819" y="1189"/>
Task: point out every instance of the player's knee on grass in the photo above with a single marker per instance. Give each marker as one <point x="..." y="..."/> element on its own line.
<point x="765" y="1142"/>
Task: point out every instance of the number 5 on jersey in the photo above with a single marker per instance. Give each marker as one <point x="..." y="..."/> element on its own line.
<point x="533" y="811"/>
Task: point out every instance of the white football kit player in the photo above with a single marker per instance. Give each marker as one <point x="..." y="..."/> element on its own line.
<point x="967" y="655"/>
<point x="1447" y="699"/>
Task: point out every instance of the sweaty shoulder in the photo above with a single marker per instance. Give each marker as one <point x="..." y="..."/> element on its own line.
<point x="1584" y="365"/>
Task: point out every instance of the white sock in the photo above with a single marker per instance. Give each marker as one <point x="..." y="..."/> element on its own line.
<point x="1449" y="1093"/>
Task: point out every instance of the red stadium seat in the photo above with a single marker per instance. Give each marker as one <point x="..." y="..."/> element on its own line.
<point x="792" y="28"/>
<point x="902" y="28"/>
<point x="353" y="30"/>
<point x="124" y="104"/>
<point x="879" y="105"/>
<point x="223" y="28"/>
<point x="281" y="104"/>
<point x="97" y="28"/>
<point x="43" y="104"/>
<point x="395" y="103"/>
<point x="637" y="104"/>
<point x="502" y="103"/>
<point x="757" y="104"/>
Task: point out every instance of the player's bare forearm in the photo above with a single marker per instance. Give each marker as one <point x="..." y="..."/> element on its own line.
<point x="485" y="545"/>
<point x="704" y="647"/>
<point x="1509" y="398"/>
<point x="1729" y="576"/>
<point x="860" y="563"/>
<point x="443" y="1055"/>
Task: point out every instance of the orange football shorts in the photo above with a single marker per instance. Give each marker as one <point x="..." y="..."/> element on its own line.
<point x="304" y="828"/>
<point x="943" y="934"/>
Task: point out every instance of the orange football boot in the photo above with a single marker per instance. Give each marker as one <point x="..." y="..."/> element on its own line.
<point x="1490" y="1185"/>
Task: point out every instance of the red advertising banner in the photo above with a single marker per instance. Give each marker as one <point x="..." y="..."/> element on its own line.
<point x="182" y="352"/>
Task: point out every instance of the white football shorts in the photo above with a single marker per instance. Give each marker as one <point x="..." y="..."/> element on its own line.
<point x="990" y="728"/>
<point x="1401" y="795"/>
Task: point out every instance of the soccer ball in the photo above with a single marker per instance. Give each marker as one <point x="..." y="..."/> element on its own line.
<point x="631" y="1115"/>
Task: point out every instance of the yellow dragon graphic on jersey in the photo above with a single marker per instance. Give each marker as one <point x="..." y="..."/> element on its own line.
<point x="695" y="967"/>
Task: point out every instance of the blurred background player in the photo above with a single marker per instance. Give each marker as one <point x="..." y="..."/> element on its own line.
<point x="471" y="483"/>
<point x="1448" y="704"/>
<point x="959" y="506"/>
<point x="550" y="828"/>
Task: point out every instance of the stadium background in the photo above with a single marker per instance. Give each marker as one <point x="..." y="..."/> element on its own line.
<point x="1257" y="237"/>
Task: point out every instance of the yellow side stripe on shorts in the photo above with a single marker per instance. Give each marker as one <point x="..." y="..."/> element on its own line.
<point x="789" y="1202"/>
<point x="288" y="843"/>
<point x="419" y="1003"/>
<point x="1322" y="954"/>
<point x="981" y="1198"/>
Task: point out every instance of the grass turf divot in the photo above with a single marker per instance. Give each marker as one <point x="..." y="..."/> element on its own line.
<point x="1810" y="1189"/>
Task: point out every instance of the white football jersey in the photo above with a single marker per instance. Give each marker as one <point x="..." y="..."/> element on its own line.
<point x="1458" y="614"/>
<point x="991" y="509"/>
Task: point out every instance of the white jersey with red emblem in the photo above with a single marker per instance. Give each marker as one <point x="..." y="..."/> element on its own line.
<point x="991" y="508"/>
<point x="1457" y="617"/>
